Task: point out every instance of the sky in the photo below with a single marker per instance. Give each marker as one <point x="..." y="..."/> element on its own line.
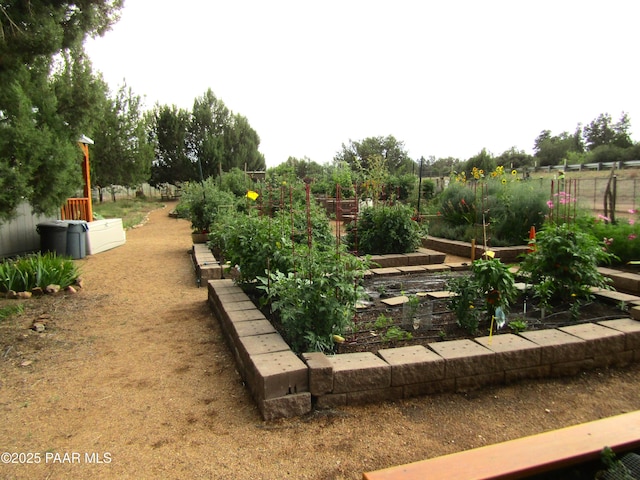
<point x="445" y="78"/>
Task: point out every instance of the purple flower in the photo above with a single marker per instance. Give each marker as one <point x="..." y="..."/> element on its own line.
<point x="550" y="204"/>
<point x="632" y="236"/>
<point x="602" y="217"/>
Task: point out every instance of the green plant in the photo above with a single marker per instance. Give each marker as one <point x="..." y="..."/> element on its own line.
<point x="614" y="468"/>
<point x="518" y="326"/>
<point x="564" y="266"/>
<point x="203" y="202"/>
<point x="510" y="206"/>
<point x="38" y="270"/>
<point x="621" y="238"/>
<point x="395" y="333"/>
<point x="623" y="306"/>
<point x="9" y="310"/>
<point x="382" y="322"/>
<point x="316" y="301"/>
<point x="489" y="287"/>
<point x="384" y="229"/>
<point x="259" y="244"/>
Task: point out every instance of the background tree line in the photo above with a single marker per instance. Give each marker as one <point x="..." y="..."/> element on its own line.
<point x="50" y="95"/>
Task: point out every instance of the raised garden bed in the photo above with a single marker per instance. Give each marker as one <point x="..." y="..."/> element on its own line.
<point x="285" y="384"/>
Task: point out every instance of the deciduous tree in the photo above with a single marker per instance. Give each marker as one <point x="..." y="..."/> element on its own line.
<point x="359" y="154"/>
<point x="602" y="131"/>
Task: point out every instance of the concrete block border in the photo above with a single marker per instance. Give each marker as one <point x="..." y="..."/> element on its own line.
<point x="284" y="384"/>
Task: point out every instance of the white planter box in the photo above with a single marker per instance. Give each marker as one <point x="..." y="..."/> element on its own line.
<point x="105" y="235"/>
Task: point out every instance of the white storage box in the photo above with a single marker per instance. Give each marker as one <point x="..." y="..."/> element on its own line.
<point x="104" y="235"/>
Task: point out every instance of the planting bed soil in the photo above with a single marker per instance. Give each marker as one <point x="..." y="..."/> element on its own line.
<point x="430" y="320"/>
<point x="135" y="365"/>
<point x="379" y="325"/>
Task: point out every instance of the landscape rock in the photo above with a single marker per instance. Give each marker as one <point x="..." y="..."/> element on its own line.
<point x="38" y="327"/>
<point x="52" y="288"/>
<point x="24" y="295"/>
<point x="70" y="289"/>
<point x="37" y="291"/>
<point x="12" y="294"/>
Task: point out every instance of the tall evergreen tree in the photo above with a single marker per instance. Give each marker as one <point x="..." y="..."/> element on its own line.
<point x="209" y="122"/>
<point x="122" y="153"/>
<point x="169" y="128"/>
<point x="38" y="151"/>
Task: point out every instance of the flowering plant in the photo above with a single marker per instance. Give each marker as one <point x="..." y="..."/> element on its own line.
<point x="620" y="238"/>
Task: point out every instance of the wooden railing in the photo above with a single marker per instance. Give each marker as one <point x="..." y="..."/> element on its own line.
<point x="527" y="456"/>
<point x="76" y="209"/>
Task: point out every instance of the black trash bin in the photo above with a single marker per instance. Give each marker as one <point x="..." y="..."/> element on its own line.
<point x="53" y="236"/>
<point x="77" y="238"/>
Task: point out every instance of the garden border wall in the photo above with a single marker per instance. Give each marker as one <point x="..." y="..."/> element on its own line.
<point x="285" y="385"/>
<point x="464" y="249"/>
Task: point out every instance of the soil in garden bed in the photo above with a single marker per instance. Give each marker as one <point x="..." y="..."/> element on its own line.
<point x="378" y="325"/>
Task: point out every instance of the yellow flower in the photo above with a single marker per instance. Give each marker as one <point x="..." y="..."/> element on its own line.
<point x="504" y="181"/>
<point x="514" y="172"/>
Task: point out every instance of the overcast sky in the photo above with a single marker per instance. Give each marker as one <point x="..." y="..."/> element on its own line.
<point x="445" y="77"/>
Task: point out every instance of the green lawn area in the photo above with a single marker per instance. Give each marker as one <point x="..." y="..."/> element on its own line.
<point x="132" y="211"/>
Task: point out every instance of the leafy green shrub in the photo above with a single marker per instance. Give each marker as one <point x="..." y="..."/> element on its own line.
<point x="257" y="244"/>
<point x="513" y="208"/>
<point x="564" y="265"/>
<point x="401" y="186"/>
<point x="509" y="206"/>
<point x="622" y="238"/>
<point x="201" y="203"/>
<point x="428" y="188"/>
<point x="489" y="287"/>
<point x="318" y="300"/>
<point x="384" y="229"/>
<point x="236" y="181"/>
<point x="38" y="270"/>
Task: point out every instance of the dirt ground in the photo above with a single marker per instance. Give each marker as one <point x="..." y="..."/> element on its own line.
<point x="132" y="379"/>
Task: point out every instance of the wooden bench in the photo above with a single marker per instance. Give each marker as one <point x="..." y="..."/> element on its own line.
<point x="526" y="456"/>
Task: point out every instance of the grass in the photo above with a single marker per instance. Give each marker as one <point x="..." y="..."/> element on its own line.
<point x="10" y="310"/>
<point x="132" y="211"/>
